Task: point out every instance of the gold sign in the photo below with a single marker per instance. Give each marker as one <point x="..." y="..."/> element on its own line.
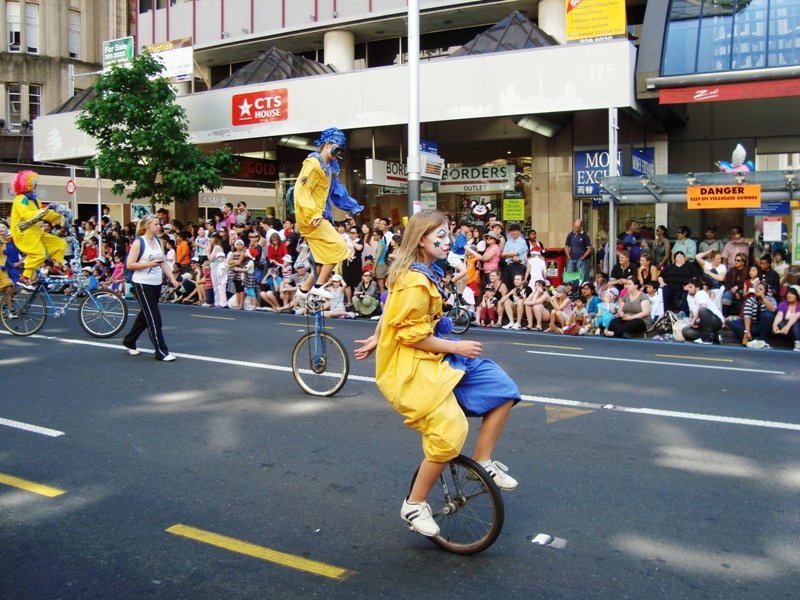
<point x="723" y="196"/>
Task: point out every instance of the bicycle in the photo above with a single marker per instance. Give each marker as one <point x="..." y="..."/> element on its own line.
<point x="458" y="314"/>
<point x="102" y="313"/>
<point x="319" y="361"/>
<point x="470" y="510"/>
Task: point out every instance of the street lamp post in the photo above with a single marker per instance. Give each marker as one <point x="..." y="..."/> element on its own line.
<point x="414" y="181"/>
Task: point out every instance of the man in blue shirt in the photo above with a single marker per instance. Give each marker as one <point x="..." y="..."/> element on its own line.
<point x="515" y="253"/>
<point x="578" y="247"/>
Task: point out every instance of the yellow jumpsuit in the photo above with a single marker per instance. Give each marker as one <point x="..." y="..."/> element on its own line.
<point x="310" y="199"/>
<point x="419" y="384"/>
<point x="33" y="242"/>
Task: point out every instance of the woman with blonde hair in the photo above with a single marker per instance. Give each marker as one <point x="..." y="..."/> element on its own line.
<point x="147" y="261"/>
<point x="433" y="381"/>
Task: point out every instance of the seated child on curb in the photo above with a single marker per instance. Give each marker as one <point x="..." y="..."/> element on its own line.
<point x="488" y="311"/>
<point x="579" y="319"/>
<point x="607" y="310"/>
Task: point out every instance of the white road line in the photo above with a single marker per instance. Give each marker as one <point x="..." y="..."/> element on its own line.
<point x="664" y="413"/>
<point x="525" y="398"/>
<point x="656" y="362"/>
<point x="31" y="428"/>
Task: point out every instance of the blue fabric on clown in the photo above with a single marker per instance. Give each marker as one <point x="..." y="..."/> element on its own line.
<point x="337" y="195"/>
<point x="484" y="385"/>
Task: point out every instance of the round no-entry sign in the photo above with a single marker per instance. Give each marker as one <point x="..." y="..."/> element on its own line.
<point x="71" y="187"/>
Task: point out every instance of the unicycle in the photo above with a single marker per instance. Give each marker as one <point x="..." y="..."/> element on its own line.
<point x="467" y="505"/>
<point x="319" y="361"/>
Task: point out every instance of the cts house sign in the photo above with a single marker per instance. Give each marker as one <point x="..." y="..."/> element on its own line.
<point x="260" y="107"/>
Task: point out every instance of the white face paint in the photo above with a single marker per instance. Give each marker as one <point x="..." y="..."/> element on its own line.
<point x="436" y="244"/>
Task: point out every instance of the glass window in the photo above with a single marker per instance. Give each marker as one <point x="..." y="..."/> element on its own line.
<point x="14" y="105"/>
<point x="709" y="36"/>
<point x="13" y="26"/>
<point x="74" y="34"/>
<point x="34" y="102"/>
<point x="145" y="6"/>
<point x="32" y="28"/>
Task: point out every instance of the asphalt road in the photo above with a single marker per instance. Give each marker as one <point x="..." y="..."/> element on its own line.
<point x="665" y="470"/>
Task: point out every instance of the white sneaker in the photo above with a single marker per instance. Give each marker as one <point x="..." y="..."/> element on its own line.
<point x="497" y="470"/>
<point x="515" y="326"/>
<point x="508" y="326"/>
<point x="168" y="358"/>
<point x="134" y="351"/>
<point x="702" y="341"/>
<point x="12" y="315"/>
<point x="757" y="344"/>
<point x="797" y="346"/>
<point x="320" y="292"/>
<point x="419" y="518"/>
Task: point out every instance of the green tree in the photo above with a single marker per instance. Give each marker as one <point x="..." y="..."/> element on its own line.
<point x="142" y="137"/>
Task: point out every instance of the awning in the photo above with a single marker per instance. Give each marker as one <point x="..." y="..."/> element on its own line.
<point x="776" y="186"/>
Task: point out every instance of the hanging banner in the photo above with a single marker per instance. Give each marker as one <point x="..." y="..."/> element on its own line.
<point x="723" y="196"/>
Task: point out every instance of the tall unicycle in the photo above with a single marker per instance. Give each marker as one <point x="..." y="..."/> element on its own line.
<point x="319" y="361"/>
<point x="467" y="506"/>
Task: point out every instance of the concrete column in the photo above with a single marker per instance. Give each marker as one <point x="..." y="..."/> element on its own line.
<point x="340" y="49"/>
<point x="553" y="19"/>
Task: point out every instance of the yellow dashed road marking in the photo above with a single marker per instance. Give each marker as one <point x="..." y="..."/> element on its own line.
<point x="30" y="486"/>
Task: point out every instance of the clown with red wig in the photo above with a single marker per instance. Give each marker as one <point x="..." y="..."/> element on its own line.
<point x="33" y="242"/>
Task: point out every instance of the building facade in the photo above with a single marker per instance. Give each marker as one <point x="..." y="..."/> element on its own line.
<point x="502" y="86"/>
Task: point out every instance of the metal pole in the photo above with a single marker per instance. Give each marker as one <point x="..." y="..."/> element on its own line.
<point x="73" y="204"/>
<point x="413" y="106"/>
<point x="99" y="211"/>
<point x="613" y="130"/>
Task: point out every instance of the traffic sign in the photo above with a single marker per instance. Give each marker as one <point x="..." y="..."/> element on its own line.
<point x="71" y="187"/>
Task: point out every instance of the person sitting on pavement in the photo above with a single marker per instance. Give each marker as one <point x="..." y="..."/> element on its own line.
<point x="600" y="283"/>
<point x="735" y="288"/>
<point x="514" y="302"/>
<point x="591" y="299"/>
<point x="562" y="308"/>
<point x="656" y="296"/>
<point x="769" y="276"/>
<point x="711" y="242"/>
<point x="365" y="296"/>
<point x="534" y="304"/>
<point x="712" y="265"/>
<point x="496" y="281"/>
<point x="673" y="279"/>
<point x="633" y="313"/>
<point x="335" y="306"/>
<point x="758" y="314"/>
<point x="646" y="270"/>
<point x="781" y="267"/>
<point x="606" y="311"/>
<point x="706" y="317"/>
<point x="487" y="313"/>
<point x="623" y="271"/>
<point x="579" y="319"/>
<point x="787" y="319"/>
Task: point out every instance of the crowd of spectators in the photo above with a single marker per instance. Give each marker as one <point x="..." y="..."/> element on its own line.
<point x="238" y="262"/>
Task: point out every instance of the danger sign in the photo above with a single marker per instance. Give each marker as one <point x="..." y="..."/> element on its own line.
<point x="723" y="196"/>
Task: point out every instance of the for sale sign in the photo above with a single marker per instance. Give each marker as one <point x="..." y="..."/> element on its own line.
<point x="260" y="107"/>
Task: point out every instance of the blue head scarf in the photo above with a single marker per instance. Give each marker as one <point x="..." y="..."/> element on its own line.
<point x="332" y="135"/>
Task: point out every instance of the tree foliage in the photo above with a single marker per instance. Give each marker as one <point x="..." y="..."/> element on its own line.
<point x="142" y="137"/>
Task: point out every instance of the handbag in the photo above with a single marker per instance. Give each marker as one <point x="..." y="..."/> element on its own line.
<point x="678" y="327"/>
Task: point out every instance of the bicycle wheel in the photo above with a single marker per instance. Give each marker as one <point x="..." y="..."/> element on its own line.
<point x="460" y="318"/>
<point x="103" y="313"/>
<point x="320" y="364"/>
<point x="467" y="506"/>
<point x="23" y="311"/>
